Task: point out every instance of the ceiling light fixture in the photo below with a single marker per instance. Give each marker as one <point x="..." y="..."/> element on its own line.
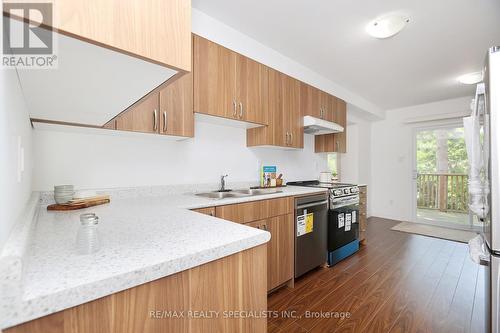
<point x="470" y="78"/>
<point x="387" y="26"/>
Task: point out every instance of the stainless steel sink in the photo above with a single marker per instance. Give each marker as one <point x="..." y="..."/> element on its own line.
<point x="217" y="195"/>
<point x="259" y="191"/>
<point x="237" y="193"/>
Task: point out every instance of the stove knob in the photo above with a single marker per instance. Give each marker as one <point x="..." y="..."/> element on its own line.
<point x="346" y="191"/>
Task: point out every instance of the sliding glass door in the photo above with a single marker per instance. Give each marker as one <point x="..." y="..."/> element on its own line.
<point x="441" y="176"/>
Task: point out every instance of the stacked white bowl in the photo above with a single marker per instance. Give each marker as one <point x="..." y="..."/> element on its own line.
<point x="63" y="193"/>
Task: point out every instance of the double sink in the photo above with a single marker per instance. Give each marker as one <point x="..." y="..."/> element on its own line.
<point x="238" y="193"/>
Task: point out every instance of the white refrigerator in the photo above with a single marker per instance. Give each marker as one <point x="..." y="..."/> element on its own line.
<point x="482" y="132"/>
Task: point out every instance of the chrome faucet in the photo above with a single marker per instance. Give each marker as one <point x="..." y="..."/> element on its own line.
<point x="222" y="183"/>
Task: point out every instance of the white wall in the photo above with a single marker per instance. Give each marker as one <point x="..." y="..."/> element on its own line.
<point x="355" y="165"/>
<point x="91" y="161"/>
<point x="391" y="192"/>
<point x="15" y="131"/>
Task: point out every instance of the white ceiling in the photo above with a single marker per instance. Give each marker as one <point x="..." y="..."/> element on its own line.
<point x="444" y="39"/>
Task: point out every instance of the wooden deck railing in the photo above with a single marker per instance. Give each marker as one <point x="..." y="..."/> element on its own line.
<point x="443" y="191"/>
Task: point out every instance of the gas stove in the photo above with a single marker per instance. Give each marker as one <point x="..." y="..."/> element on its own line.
<point x="337" y="190"/>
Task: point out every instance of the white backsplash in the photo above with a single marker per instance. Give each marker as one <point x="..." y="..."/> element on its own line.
<point x="103" y="161"/>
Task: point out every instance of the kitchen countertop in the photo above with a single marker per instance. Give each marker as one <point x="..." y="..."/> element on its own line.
<point x="143" y="239"/>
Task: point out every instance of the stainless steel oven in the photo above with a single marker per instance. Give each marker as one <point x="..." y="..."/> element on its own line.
<point x="343" y="226"/>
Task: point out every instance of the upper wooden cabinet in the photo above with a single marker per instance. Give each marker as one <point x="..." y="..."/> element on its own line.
<point x="141" y="117"/>
<point x="227" y="84"/>
<point x="341" y="119"/>
<point x="214" y="75"/>
<point x="167" y="110"/>
<point x="316" y="103"/>
<point x="176" y="107"/>
<point x="331" y="143"/>
<point x="285" y="118"/>
<point x="251" y="90"/>
<point x="156" y="30"/>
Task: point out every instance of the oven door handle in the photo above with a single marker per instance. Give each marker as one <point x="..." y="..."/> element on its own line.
<point x="318" y="203"/>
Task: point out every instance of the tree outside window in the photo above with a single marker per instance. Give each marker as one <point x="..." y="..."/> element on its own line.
<point x="334" y="165"/>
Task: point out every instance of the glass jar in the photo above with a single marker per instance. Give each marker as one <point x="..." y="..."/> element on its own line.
<point x="87" y="239"/>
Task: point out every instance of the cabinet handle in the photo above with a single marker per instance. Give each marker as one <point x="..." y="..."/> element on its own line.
<point x="321" y="113"/>
<point x="265" y="227"/>
<point x="338" y="146"/>
<point x="291" y="138"/>
<point x="241" y="110"/>
<point x="286" y="138"/>
<point x="164" y="121"/>
<point x="234" y="108"/>
<point x="155" y="120"/>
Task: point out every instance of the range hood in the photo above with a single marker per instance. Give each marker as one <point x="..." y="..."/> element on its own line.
<point x="316" y="126"/>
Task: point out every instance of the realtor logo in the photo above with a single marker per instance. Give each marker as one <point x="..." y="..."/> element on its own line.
<point x="24" y="42"/>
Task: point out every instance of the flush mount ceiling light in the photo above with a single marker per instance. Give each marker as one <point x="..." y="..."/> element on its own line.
<point x="470" y="78"/>
<point x="387" y="26"/>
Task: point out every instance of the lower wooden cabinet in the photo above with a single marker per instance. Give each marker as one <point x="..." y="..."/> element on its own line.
<point x="255" y="210"/>
<point x="207" y="211"/>
<point x="280" y="251"/>
<point x="277" y="217"/>
<point x="233" y="283"/>
<point x="362" y="212"/>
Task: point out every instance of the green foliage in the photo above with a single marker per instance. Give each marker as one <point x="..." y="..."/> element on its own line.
<point x="332" y="163"/>
<point x="427" y="147"/>
<point x="426" y="152"/>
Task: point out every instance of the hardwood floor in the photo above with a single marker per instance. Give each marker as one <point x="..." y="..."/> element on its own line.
<point x="397" y="282"/>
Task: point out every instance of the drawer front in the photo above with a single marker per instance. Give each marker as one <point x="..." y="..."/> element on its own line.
<point x="255" y="210"/>
<point x="207" y="211"/>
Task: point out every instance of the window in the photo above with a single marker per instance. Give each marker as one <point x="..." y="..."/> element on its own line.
<point x="334" y="165"/>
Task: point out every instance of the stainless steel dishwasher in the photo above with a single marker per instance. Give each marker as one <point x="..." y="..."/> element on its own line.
<point x="311" y="222"/>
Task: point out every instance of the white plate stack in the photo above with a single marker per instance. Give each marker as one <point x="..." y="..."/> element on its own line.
<point x="63" y="193"/>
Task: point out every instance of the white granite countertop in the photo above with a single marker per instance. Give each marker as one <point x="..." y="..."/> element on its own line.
<point x="143" y="238"/>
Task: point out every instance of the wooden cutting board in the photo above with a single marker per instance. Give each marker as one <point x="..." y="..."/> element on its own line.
<point x="80" y="203"/>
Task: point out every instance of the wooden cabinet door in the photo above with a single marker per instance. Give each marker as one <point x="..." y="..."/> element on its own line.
<point x="324" y="143"/>
<point x="331" y="143"/>
<point x="341" y="119"/>
<point x="214" y="73"/>
<point x="143" y="116"/>
<point x="310" y="100"/>
<point x="207" y="211"/>
<point x="291" y="110"/>
<point x="280" y="250"/>
<point x="251" y="88"/>
<point x="330" y="113"/>
<point x="110" y="124"/>
<point x="176" y="107"/>
<point x="278" y="126"/>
